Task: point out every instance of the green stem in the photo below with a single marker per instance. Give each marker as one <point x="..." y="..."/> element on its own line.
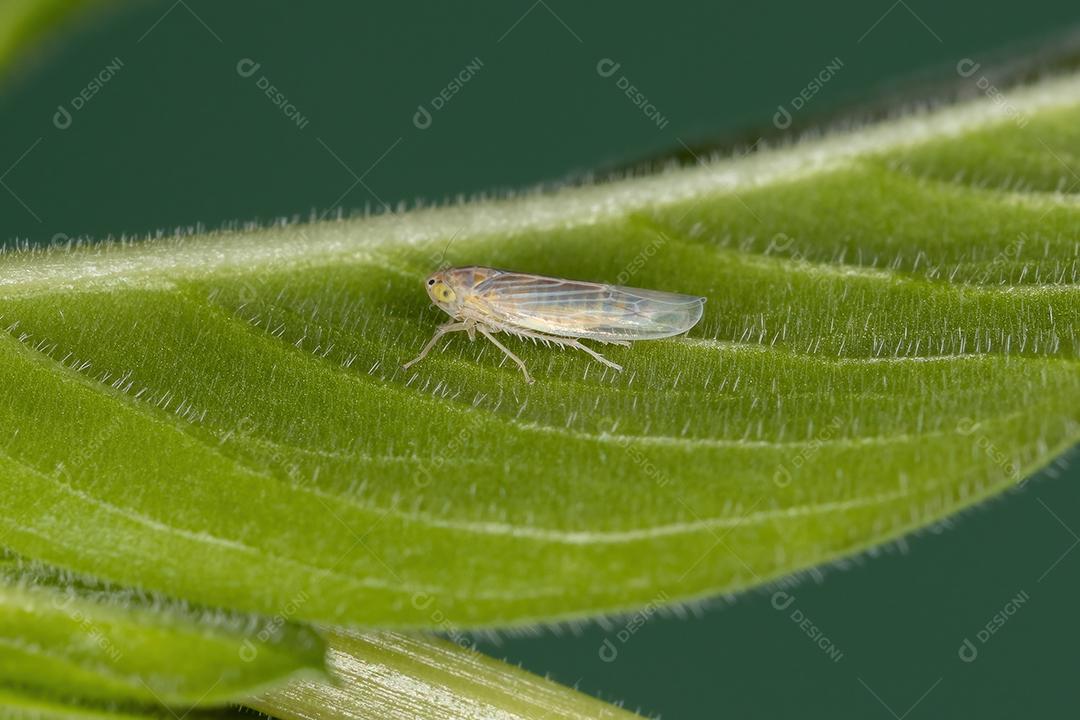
<point x="387" y="676"/>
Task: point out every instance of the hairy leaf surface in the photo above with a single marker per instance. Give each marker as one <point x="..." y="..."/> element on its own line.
<point x="892" y="334"/>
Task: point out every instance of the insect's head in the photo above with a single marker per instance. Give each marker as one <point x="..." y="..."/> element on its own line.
<point x="441" y="293"/>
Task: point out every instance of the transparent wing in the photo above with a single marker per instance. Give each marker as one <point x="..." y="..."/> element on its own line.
<point x="572" y="308"/>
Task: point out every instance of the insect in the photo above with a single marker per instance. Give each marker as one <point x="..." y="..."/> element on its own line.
<point x="553" y="311"/>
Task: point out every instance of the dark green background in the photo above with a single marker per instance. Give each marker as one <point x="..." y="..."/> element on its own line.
<point x="178" y="138"/>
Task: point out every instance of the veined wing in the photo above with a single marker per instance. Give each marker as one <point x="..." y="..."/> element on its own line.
<point x="573" y="308"/>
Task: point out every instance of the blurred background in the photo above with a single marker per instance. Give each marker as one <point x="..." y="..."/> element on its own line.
<point x="144" y="116"/>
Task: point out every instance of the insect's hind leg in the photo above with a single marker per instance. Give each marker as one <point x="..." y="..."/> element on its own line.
<point x="487" y="333"/>
<point x="578" y="345"/>
<point x="442" y="330"/>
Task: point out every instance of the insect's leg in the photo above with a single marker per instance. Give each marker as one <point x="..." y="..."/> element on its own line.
<point x="581" y="346"/>
<point x="486" y="333"/>
<point x="442" y="330"/>
<point x="574" y="343"/>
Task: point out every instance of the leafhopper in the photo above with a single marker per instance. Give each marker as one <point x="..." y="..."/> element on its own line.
<point x="553" y="311"/>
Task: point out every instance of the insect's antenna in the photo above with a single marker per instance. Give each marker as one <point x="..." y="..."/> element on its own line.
<point x="442" y="260"/>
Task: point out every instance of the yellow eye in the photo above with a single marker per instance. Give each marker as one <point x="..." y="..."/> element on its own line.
<point x="442" y="292"/>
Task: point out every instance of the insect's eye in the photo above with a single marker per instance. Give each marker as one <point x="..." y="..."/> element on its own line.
<point x="444" y="293"/>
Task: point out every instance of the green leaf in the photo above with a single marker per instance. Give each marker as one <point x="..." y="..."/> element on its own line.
<point x="16" y="704"/>
<point x="392" y="676"/>
<point x="891" y="335"/>
<point x="24" y="23"/>
<point x="62" y="635"/>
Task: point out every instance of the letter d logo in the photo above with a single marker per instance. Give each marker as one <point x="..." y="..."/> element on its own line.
<point x="247" y="67"/>
<point x="62" y="118"/>
<point x="608" y="651"/>
<point x="782" y="118"/>
<point x="607" y="67"/>
<point x="422" y="118"/>
<point x="782" y="600"/>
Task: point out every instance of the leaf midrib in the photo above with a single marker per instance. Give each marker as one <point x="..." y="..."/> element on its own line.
<point x="238" y="252"/>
